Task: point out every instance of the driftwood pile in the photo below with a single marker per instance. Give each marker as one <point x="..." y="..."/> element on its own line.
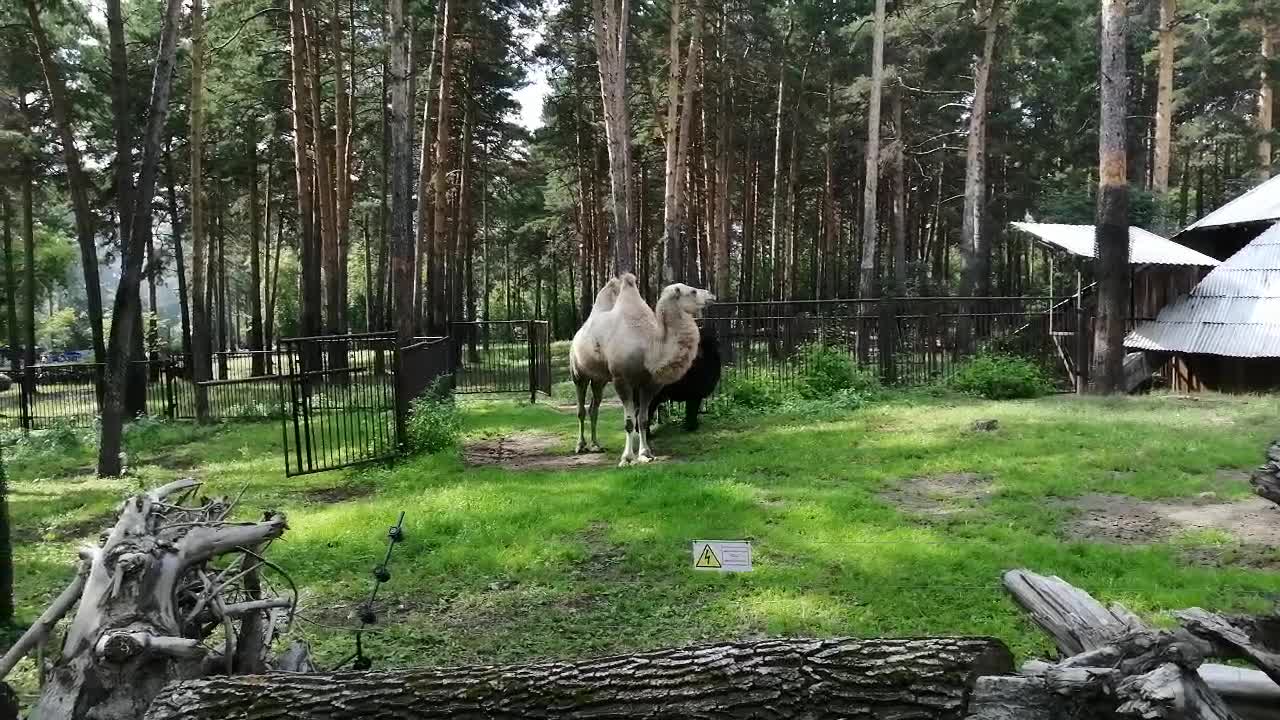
<point x="175" y="590"/>
<point x="1116" y="666"/>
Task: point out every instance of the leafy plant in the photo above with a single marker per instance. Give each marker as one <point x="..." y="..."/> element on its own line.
<point x="750" y="392"/>
<point x="434" y="422"/>
<point x="1001" y="377"/>
<point x="828" y="370"/>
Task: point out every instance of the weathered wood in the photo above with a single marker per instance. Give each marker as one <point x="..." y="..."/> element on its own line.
<point x="1266" y="479"/>
<point x="1231" y="639"/>
<point x="150" y="602"/>
<point x="1170" y="691"/>
<point x="1116" y="660"/>
<point x="1076" y="621"/>
<point x="839" y="678"/>
<point x="40" y="629"/>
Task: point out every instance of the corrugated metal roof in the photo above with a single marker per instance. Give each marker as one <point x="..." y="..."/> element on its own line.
<point x="1258" y="205"/>
<point x="1145" y="248"/>
<point x="1233" y="311"/>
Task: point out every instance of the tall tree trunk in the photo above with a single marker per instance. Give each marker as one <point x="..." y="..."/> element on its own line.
<point x="750" y="210"/>
<point x="10" y="288"/>
<point x="308" y="240"/>
<point x="441" y="302"/>
<point x="776" y="193"/>
<point x="724" y="147"/>
<point x="201" y="337"/>
<point x="77" y="181"/>
<point x="678" y="130"/>
<point x="125" y="308"/>
<point x="425" y="224"/>
<point x="870" y="188"/>
<point x="785" y="274"/>
<point x="1112" y="242"/>
<point x="612" y="21"/>
<point x="28" y="246"/>
<point x="899" y="198"/>
<point x="175" y="223"/>
<point x="257" y="367"/>
<point x="830" y="224"/>
<point x="1266" y="99"/>
<point x="342" y="152"/>
<point x="401" y="170"/>
<point x="975" y="245"/>
<point x="1164" y="96"/>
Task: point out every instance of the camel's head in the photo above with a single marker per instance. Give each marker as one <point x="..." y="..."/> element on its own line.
<point x="689" y="299"/>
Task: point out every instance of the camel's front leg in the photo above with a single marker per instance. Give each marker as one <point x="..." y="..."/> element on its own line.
<point x="582" y="417"/>
<point x="643" y="398"/>
<point x="597" y="393"/>
<point x="629" y="411"/>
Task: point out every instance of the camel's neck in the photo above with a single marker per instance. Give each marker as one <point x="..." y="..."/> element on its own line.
<point x="676" y="346"/>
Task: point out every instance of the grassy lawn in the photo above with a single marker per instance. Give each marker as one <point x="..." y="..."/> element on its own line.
<point x="504" y="565"/>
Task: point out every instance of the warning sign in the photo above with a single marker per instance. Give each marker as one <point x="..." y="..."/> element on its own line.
<point x="722" y="555"/>
<point x="708" y="560"/>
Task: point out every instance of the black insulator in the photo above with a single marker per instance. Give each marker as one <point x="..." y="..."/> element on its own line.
<point x="367" y="615"/>
<point x="396" y="533"/>
<point x="382" y="573"/>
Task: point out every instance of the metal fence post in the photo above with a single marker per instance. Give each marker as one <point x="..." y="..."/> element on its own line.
<point x="26" y="394"/>
<point x="1082" y="350"/>
<point x="533" y="355"/>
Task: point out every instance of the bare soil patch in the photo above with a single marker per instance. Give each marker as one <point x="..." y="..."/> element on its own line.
<point x="940" y="495"/>
<point x="1124" y="520"/>
<point x="338" y="494"/>
<point x="529" y="451"/>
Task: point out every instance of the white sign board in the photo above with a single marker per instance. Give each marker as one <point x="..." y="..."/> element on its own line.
<point x="722" y="555"/>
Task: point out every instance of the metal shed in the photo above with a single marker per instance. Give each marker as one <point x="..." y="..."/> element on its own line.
<point x="1161" y="270"/>
<point x="1224" y="335"/>
<point x="1226" y="230"/>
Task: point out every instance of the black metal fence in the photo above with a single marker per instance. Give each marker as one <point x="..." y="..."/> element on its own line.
<point x="502" y="356"/>
<point x="68" y="394"/>
<point x="342" y="394"/>
<point x="905" y="341"/>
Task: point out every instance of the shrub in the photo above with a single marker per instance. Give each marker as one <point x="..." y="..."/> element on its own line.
<point x="750" y="393"/>
<point x="828" y="371"/>
<point x="434" y="423"/>
<point x="1000" y="377"/>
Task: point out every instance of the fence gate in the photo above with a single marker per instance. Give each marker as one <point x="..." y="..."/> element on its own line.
<point x="503" y="356"/>
<point x="341" y="394"/>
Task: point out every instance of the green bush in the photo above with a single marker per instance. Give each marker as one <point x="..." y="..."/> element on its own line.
<point x="828" y="371"/>
<point x="1000" y="377"/>
<point x="434" y="423"/>
<point x="752" y="393"/>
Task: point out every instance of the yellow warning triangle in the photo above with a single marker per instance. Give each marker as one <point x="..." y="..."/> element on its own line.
<point x="707" y="559"/>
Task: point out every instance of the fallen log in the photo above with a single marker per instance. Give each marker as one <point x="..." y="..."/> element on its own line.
<point x="921" y="678"/>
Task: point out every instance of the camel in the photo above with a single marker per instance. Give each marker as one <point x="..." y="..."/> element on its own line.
<point x="587" y="365"/>
<point x="645" y="350"/>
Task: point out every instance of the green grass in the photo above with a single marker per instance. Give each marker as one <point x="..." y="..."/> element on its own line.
<point x="501" y="565"/>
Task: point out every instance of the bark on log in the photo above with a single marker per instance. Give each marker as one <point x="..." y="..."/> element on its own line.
<point x="839" y="678"/>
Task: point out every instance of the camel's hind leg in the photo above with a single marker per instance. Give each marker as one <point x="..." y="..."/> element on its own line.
<point x="629" y="411"/>
<point x="581" y="384"/>
<point x="597" y="392"/>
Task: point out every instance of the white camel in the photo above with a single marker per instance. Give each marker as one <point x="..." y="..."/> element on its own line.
<point x="587" y="364"/>
<point x="642" y="350"/>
